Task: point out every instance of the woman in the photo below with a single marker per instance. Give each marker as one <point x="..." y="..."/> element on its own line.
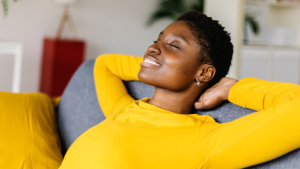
<point x="189" y="56"/>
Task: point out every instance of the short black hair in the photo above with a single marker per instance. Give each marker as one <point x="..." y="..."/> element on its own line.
<point x="215" y="42"/>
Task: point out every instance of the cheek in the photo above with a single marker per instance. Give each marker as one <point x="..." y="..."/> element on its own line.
<point x="179" y="78"/>
<point x="181" y="72"/>
<point x="180" y="69"/>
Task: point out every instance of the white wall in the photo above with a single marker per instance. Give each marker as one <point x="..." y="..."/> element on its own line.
<point x="108" y="26"/>
<point x="228" y="13"/>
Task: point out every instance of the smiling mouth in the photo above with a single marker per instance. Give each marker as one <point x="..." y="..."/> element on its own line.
<point x="150" y="61"/>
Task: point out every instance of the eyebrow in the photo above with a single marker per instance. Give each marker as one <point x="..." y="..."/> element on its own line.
<point x="181" y="37"/>
<point x="176" y="35"/>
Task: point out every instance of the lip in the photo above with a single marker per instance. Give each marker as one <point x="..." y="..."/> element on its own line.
<point x="150" y="61"/>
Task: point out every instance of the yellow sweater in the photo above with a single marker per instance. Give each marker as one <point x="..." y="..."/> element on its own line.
<point x="138" y="135"/>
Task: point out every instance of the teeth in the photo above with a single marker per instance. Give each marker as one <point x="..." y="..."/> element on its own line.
<point x="150" y="61"/>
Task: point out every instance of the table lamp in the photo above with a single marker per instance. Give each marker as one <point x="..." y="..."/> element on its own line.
<point x="61" y="57"/>
<point x="66" y="18"/>
<point x="64" y="2"/>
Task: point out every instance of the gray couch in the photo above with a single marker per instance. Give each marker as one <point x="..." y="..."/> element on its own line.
<point x="79" y="110"/>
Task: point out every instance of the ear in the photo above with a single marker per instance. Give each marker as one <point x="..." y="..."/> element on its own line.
<point x="206" y="73"/>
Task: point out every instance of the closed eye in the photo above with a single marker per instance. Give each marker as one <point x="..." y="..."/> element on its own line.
<point x="173" y="45"/>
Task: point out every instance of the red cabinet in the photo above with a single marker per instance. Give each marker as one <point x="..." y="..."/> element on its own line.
<point x="60" y="60"/>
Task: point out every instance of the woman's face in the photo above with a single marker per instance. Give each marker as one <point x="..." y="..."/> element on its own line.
<point x="171" y="62"/>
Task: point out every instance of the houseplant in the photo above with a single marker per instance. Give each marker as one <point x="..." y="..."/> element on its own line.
<point x="254" y="26"/>
<point x="5" y="6"/>
<point x="171" y="9"/>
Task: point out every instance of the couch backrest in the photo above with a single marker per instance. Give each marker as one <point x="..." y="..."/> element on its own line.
<point x="79" y="110"/>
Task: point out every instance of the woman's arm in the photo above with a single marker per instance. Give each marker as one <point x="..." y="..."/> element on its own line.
<point x="260" y="136"/>
<point x="109" y="71"/>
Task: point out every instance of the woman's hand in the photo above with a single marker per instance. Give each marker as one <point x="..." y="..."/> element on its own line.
<point x="215" y="95"/>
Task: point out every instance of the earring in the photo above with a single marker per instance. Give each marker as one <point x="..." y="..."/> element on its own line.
<point x="198" y="83"/>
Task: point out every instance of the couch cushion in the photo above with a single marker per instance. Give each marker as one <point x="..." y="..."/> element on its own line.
<point x="28" y="132"/>
<point x="78" y="109"/>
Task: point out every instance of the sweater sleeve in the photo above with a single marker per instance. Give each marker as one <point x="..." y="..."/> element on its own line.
<point x="109" y="71"/>
<point x="257" y="137"/>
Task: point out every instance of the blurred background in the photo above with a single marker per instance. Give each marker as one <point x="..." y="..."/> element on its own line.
<point x="265" y="34"/>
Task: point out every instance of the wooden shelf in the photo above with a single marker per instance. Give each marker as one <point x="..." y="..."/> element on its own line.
<point x="271" y="45"/>
<point x="275" y="4"/>
<point x="273" y="14"/>
<point x="290" y="5"/>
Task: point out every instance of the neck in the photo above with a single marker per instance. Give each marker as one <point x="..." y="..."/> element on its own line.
<point x="177" y="102"/>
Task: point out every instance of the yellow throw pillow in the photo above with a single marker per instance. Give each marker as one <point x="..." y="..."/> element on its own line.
<point x="28" y="132"/>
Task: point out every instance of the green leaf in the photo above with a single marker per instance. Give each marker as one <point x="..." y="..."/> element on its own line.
<point x="168" y="9"/>
<point x="159" y="15"/>
<point x="5" y="7"/>
<point x="252" y="23"/>
<point x="175" y="6"/>
<point x="199" y="6"/>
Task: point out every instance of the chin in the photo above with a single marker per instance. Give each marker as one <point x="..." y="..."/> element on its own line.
<point x="143" y="77"/>
<point x="150" y="78"/>
<point x="168" y="80"/>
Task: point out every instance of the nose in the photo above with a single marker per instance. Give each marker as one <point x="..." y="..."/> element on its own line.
<point x="154" y="49"/>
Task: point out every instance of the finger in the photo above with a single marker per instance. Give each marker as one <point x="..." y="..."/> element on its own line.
<point x="201" y="98"/>
<point x="200" y="106"/>
<point x="204" y="105"/>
